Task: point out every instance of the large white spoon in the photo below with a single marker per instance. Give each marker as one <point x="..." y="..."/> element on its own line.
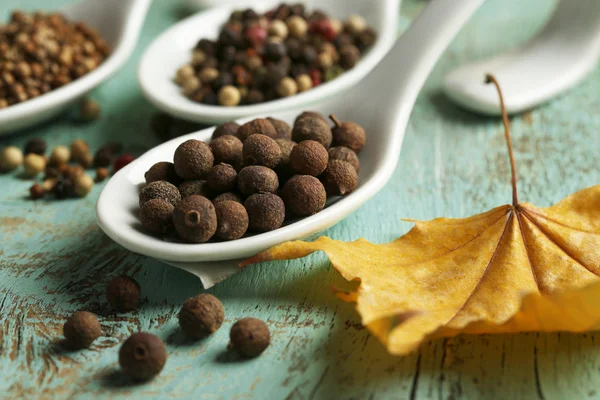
<point x="119" y="22"/>
<point x="173" y="48"/>
<point x="559" y="57"/>
<point x="382" y="103"/>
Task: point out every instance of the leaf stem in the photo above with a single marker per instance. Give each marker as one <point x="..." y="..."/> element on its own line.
<point x="491" y="79"/>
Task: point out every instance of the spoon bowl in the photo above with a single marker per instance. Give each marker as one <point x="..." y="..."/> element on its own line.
<point x="173" y="48"/>
<point x="119" y="22"/>
<point x="382" y="104"/>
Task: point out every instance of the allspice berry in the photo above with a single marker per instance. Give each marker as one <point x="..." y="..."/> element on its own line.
<point x="81" y="329"/>
<point x="284" y="131"/>
<point x="266" y="211"/>
<point x="162" y="171"/>
<point x="340" y="178"/>
<point x="232" y="219"/>
<point x="249" y="337"/>
<point x="160" y="190"/>
<point x="261" y="150"/>
<point x="156" y="216"/>
<point x="348" y="134"/>
<point x="227" y="128"/>
<point x="304" y="195"/>
<point x="222" y="178"/>
<point x="345" y="154"/>
<point x="195" y="219"/>
<point x="193" y="159"/>
<point x="312" y="128"/>
<point x="123" y="293"/>
<point x="309" y="158"/>
<point x="310" y="114"/>
<point x="227" y="149"/>
<point x="259" y="126"/>
<point x="189" y="188"/>
<point x="257" y="179"/>
<point x="142" y="356"/>
<point x="11" y="158"/>
<point x="232" y="196"/>
<point x="201" y="316"/>
<point x="286" y="147"/>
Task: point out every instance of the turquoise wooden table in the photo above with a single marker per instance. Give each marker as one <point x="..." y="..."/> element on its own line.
<point x="54" y="259"/>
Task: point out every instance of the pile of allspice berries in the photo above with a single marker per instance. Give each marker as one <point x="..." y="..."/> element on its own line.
<point x="143" y="355"/>
<point x="251" y="178"/>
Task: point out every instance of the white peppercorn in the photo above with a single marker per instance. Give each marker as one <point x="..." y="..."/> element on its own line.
<point x="10" y="158"/>
<point x="229" y="96"/>
<point x="287" y="87"/>
<point x="183" y="73"/>
<point x="208" y="75"/>
<point x="278" y="28"/>
<point x="297" y="26"/>
<point x="83" y="185"/>
<point x="34" y="164"/>
<point x="355" y="24"/>
<point x="304" y="82"/>
<point x="191" y="85"/>
<point x="60" y="155"/>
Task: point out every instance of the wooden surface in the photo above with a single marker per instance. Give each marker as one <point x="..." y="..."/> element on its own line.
<point x="54" y="259"/>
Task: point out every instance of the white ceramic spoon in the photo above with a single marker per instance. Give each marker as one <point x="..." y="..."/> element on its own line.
<point x="382" y="103"/>
<point x="119" y="23"/>
<point x="559" y="57"/>
<point x="173" y="49"/>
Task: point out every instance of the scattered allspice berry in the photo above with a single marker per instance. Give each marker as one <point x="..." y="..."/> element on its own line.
<point x="222" y="178"/>
<point x="345" y="154"/>
<point x="162" y="171"/>
<point x="34" y="164"/>
<point x="309" y="158"/>
<point x="123" y="293"/>
<point x="258" y="126"/>
<point x="102" y="174"/>
<point x="89" y="110"/>
<point x="37" y="191"/>
<point x="156" y="216"/>
<point x="36" y="146"/>
<point x="60" y="155"/>
<point x="261" y="150"/>
<point x="83" y="184"/>
<point x="10" y="158"/>
<point x="340" y="178"/>
<point x="227" y="128"/>
<point x="160" y="190"/>
<point x="232" y="219"/>
<point x="201" y="316"/>
<point x="227" y="149"/>
<point x="199" y="187"/>
<point x="81" y="329"/>
<point x="312" y="128"/>
<point x="304" y="195"/>
<point x="266" y="212"/>
<point x="195" y="219"/>
<point x="348" y="134"/>
<point x="142" y="356"/>
<point x="79" y="149"/>
<point x="257" y="179"/>
<point x="193" y="159"/>
<point x="249" y="337"/>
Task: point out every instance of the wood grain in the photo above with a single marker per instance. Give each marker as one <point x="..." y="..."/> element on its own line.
<point x="55" y="260"/>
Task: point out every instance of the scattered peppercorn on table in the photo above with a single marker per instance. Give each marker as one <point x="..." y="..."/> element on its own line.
<point x="54" y="260"/>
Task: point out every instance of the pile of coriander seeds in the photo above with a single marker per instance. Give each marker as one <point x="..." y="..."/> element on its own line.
<point x="259" y="58"/>
<point x="40" y="52"/>
<point x="251" y="178"/>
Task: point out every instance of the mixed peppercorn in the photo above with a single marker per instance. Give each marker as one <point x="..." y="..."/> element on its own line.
<point x="40" y="52"/>
<point x="251" y="178"/>
<point x="259" y="58"/>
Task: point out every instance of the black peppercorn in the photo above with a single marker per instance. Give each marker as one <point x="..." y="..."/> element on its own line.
<point x="224" y="79"/>
<point x="230" y="36"/>
<point x="36" y="146"/>
<point x="201" y="316"/>
<point x="261" y="150"/>
<point x="207" y="46"/>
<point x="249" y="337"/>
<point x="294" y="48"/>
<point x="227" y="149"/>
<point x="254" y="97"/>
<point x="160" y="190"/>
<point x="257" y="179"/>
<point x="103" y="157"/>
<point x="195" y="219"/>
<point x="162" y="171"/>
<point x="156" y="216"/>
<point x="81" y="329"/>
<point x="193" y="159"/>
<point x="63" y="188"/>
<point x="221" y="178"/>
<point x="309" y="55"/>
<point x="349" y="56"/>
<point x="366" y="39"/>
<point x="304" y="195"/>
<point x="266" y="211"/>
<point x="142" y="356"/>
<point x="232" y="219"/>
<point x="123" y="293"/>
<point x="189" y="188"/>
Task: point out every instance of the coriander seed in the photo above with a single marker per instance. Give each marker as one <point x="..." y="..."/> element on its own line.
<point x="10" y="158"/>
<point x="81" y="329"/>
<point x="195" y="219"/>
<point x="266" y="212"/>
<point x="123" y="293"/>
<point x="156" y="216"/>
<point x="304" y="195"/>
<point x="309" y="158"/>
<point x="142" y="356"/>
<point x="249" y="337"/>
<point x="201" y="316"/>
<point x="257" y="179"/>
<point x="232" y="219"/>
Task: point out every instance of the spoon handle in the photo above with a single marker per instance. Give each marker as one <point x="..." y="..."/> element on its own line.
<point x="402" y="73"/>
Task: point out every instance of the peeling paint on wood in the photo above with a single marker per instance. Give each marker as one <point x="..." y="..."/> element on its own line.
<point x="54" y="259"/>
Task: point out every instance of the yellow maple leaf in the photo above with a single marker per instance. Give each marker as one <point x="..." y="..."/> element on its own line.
<point x="449" y="276"/>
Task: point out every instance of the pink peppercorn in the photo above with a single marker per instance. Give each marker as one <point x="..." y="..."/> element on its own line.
<point x="316" y="77"/>
<point x="325" y="28"/>
<point x="122" y="161"/>
<point x="256" y="35"/>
